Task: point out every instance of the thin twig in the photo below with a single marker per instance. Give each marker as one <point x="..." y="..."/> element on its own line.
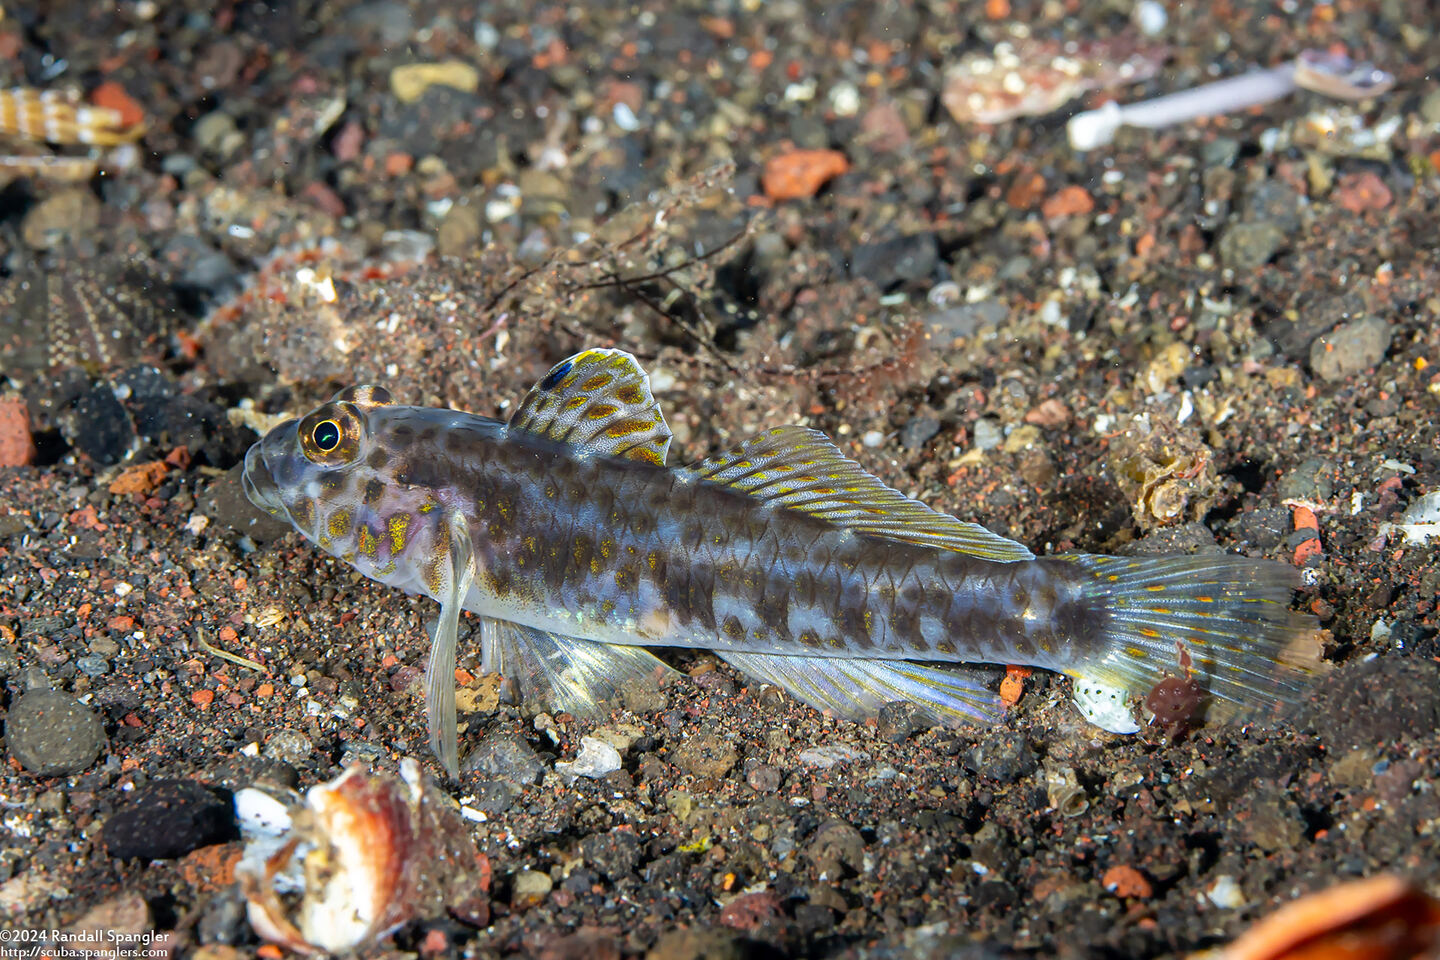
<point x="234" y="658"/>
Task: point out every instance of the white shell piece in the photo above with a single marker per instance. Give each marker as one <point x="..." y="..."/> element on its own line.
<point x="260" y="814"/>
<point x="1105" y="706"/>
<point x="596" y="758"/>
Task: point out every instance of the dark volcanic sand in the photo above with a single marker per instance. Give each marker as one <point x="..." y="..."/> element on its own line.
<point x="1204" y="326"/>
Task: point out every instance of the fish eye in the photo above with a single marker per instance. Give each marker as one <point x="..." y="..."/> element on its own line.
<point x="326" y="435"/>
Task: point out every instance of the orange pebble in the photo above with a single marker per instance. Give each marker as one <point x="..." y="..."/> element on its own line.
<point x="203" y="698"/>
<point x="1013" y="686"/>
<point x="1306" y="550"/>
<point x="800" y="173"/>
<point x="1126" y="881"/>
<point x="1068" y="202"/>
<point x="1305" y="519"/>
<point x="112" y="95"/>
<point x="398" y="164"/>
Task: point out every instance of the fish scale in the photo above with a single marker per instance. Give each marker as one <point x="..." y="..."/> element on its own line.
<point x="578" y="547"/>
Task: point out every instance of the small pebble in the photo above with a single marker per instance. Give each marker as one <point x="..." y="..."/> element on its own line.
<point x="828" y="755"/>
<point x="764" y="778"/>
<point x="988" y="434"/>
<point x="615" y="853"/>
<point x="289" y="746"/>
<point x="706" y="755"/>
<point x="1350" y="348"/>
<point x="918" y="430"/>
<point x="505" y="757"/>
<point x="1249" y="246"/>
<point x="595" y="759"/>
<point x="92" y="665"/>
<point x="52" y="734"/>
<point x="897" y="721"/>
<point x="530" y="887"/>
<point x="410" y="81"/>
<point x="1225" y="893"/>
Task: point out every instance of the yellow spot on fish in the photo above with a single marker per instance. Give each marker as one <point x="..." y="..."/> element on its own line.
<point x="607" y="546"/>
<point x="597" y="381"/>
<point x="435" y="575"/>
<point x="1206" y="599"/>
<point x="1154" y="587"/>
<point x="430" y="504"/>
<point x="624" y="428"/>
<point x="369" y="545"/>
<point x="600" y="411"/>
<point x="399" y="524"/>
<point x="339" y="523"/>
<point x="1147" y="632"/>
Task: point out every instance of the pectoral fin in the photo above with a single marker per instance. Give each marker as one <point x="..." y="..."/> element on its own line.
<point x="563" y="673"/>
<point x="455" y="576"/>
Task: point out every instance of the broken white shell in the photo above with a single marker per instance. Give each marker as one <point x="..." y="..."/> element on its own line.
<point x="366" y="854"/>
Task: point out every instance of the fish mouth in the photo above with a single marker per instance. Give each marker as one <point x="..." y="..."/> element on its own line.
<point x="259" y="485"/>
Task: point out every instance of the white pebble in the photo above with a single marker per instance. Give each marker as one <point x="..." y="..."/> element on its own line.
<point x="1105" y="706"/>
<point x="1225" y="893"/>
<point x="872" y="438"/>
<point x="1150" y="17"/>
<point x="826" y="756"/>
<point x="845" y="99"/>
<point x="595" y="759"/>
<point x="625" y="118"/>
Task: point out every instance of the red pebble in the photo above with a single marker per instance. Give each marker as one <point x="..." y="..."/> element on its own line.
<point x="17" y="448"/>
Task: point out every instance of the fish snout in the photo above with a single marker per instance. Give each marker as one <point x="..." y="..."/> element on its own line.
<point x="259" y="485"/>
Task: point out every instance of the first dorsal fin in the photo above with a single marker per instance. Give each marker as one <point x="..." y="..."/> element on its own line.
<point x="600" y="401"/>
<point x="800" y="469"/>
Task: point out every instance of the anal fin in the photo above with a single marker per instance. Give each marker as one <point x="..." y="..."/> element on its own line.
<point x="856" y="689"/>
<point x="561" y="673"/>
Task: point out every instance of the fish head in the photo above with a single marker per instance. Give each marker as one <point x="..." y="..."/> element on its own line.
<point x="312" y="471"/>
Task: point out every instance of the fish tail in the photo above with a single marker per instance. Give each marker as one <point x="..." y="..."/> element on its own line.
<point x="1223" y="619"/>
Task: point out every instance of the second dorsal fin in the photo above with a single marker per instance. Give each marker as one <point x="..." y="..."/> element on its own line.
<point x="600" y="401"/>
<point x="800" y="469"/>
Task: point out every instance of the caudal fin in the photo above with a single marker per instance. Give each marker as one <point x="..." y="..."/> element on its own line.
<point x="1228" y="614"/>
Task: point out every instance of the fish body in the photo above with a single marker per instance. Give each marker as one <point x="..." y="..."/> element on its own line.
<point x="567" y="533"/>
